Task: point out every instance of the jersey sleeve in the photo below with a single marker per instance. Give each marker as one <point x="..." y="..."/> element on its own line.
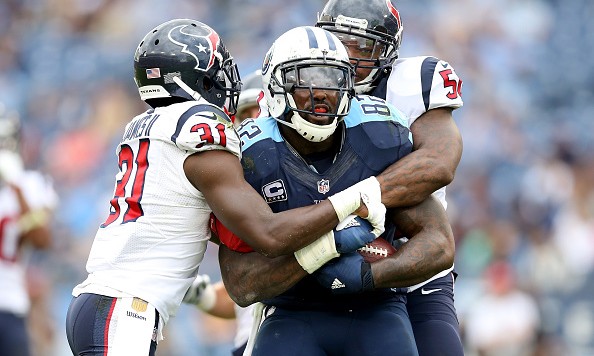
<point x="205" y="127"/>
<point x="419" y="84"/>
<point x="228" y="238"/>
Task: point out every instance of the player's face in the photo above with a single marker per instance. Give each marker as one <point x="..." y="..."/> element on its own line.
<point x="316" y="91"/>
<point x="363" y="53"/>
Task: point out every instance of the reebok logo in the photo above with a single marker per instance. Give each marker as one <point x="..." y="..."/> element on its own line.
<point x="336" y="284"/>
<point x="429" y="291"/>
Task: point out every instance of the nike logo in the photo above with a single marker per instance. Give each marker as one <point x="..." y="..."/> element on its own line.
<point x="337" y="284"/>
<point x="429" y="291"/>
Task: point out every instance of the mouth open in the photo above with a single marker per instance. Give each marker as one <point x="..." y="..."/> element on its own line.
<point x="321" y="109"/>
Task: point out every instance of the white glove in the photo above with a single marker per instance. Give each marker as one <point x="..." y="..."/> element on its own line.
<point x="349" y="200"/>
<point x="11" y="166"/>
<point x="201" y="293"/>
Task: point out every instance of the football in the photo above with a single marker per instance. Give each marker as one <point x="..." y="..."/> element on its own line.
<point x="376" y="250"/>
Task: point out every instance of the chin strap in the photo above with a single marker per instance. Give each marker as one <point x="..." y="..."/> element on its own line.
<point x="194" y="94"/>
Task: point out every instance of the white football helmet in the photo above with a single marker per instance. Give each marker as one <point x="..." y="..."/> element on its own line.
<point x="307" y="57"/>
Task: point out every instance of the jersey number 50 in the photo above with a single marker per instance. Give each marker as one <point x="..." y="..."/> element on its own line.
<point x="127" y="161"/>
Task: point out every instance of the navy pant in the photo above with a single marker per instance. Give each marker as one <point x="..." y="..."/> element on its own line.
<point x="434" y="320"/>
<point x="382" y="330"/>
<point x="14" y="338"/>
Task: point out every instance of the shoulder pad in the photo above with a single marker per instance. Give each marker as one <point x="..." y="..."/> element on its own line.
<point x="418" y="84"/>
<point x="204" y="127"/>
<point x="366" y="108"/>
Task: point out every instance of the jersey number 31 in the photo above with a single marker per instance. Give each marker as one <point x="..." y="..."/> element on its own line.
<point x="127" y="162"/>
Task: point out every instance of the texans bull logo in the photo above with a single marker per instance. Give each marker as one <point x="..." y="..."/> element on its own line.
<point x="200" y="42"/>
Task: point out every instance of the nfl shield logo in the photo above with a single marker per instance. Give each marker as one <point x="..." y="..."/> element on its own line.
<point x="323" y="186"/>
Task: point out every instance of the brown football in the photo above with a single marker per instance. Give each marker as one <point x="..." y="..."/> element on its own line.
<point x="376" y="250"/>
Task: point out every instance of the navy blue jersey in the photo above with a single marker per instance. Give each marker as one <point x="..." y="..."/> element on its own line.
<point x="375" y="135"/>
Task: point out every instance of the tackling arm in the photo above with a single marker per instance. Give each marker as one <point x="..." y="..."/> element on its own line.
<point x="429" y="251"/>
<point x="219" y="176"/>
<point x="437" y="149"/>
<point x="251" y="277"/>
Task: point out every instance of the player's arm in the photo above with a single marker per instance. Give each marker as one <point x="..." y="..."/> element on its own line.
<point x="219" y="176"/>
<point x="211" y="298"/>
<point x="437" y="149"/>
<point x="429" y="251"/>
<point x="251" y="277"/>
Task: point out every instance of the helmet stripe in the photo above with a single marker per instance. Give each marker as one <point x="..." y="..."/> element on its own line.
<point x="331" y="43"/>
<point x="313" y="41"/>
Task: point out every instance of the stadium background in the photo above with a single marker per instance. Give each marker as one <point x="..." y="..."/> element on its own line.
<point x="523" y="193"/>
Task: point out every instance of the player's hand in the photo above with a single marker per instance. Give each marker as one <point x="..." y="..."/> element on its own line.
<point x="347" y="274"/>
<point x="352" y="233"/>
<point x="201" y="293"/>
<point x="367" y="191"/>
<point x="11" y="166"/>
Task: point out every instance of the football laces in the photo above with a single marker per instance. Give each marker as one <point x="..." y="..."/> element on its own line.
<point x="378" y="251"/>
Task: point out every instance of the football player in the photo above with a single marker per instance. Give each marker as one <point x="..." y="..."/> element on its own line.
<point x="27" y="199"/>
<point x="213" y="298"/>
<point x="427" y="90"/>
<point x="178" y="162"/>
<point x="318" y="140"/>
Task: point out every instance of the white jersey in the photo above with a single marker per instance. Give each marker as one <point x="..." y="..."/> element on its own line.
<point x="157" y="230"/>
<point x="419" y="84"/>
<point x="39" y="194"/>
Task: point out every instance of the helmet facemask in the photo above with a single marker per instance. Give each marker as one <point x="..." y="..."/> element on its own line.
<point x="369" y="48"/>
<point x="300" y="78"/>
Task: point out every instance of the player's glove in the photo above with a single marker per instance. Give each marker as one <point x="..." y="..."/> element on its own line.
<point x="349" y="235"/>
<point x="347" y="274"/>
<point x="352" y="233"/>
<point x="349" y="200"/>
<point x="11" y="166"/>
<point x="201" y="293"/>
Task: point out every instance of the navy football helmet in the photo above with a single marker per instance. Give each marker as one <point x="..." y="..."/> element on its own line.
<point x="184" y="59"/>
<point x="370" y="28"/>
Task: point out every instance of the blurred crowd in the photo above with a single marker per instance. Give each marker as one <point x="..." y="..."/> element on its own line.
<point x="521" y="205"/>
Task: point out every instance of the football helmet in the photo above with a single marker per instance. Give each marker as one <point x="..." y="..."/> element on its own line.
<point x="250" y="90"/>
<point x="10" y="130"/>
<point x="307" y="58"/>
<point x="186" y="59"/>
<point x="370" y="28"/>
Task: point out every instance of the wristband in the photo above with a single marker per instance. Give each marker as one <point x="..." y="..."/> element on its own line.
<point x="349" y="200"/>
<point x="316" y="254"/>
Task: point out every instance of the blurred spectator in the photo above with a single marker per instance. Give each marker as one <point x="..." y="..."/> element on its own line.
<point x="26" y="201"/>
<point x="504" y="320"/>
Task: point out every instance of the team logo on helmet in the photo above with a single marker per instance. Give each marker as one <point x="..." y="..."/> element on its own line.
<point x="267" y="60"/>
<point x="201" y="44"/>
